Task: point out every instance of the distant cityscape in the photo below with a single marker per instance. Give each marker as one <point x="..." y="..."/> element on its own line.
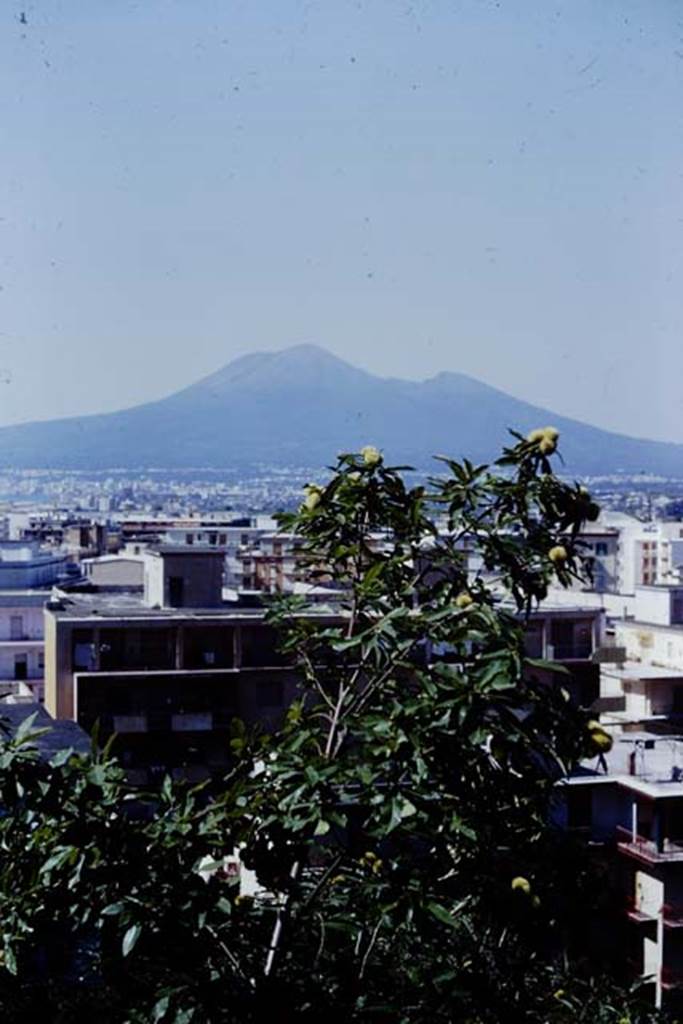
<point x="264" y="488"/>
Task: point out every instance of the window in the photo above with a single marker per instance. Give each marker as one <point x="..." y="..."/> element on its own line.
<point x="20" y="666"/>
<point x="189" y="538"/>
<point x="83" y="650"/>
<point x="16" y="627"/>
<point x="176" y="591"/>
<point x="600" y="548"/>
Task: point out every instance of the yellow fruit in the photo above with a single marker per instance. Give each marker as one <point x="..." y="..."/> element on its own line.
<point x="593" y="724"/>
<point x="313" y="494"/>
<point x="558" y="554"/>
<point x="545" y="438"/>
<point x="371" y="456"/>
<point x="521" y="884"/>
<point x="464" y="600"/>
<point x="601" y="741"/>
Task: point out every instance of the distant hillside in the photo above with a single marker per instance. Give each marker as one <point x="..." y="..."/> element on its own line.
<point x="302" y="406"/>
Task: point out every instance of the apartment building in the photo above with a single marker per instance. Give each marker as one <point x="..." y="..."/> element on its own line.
<point x="167" y="671"/>
<point x="630" y="807"/>
<point x="600" y="549"/>
<point x="27" y="572"/>
<point x="648" y="553"/>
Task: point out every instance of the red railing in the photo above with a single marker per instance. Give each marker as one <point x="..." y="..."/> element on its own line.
<point x="670" y="977"/>
<point x="673" y="914"/>
<point x="671" y="849"/>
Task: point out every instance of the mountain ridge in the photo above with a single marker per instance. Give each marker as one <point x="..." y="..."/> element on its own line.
<point x="304" y="404"/>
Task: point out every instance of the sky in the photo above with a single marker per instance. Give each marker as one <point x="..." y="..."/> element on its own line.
<point x="494" y="188"/>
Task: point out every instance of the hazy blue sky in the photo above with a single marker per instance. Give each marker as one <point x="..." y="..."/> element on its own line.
<point x="491" y="187"/>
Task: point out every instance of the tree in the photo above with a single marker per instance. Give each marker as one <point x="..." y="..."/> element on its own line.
<point x="399" y="822"/>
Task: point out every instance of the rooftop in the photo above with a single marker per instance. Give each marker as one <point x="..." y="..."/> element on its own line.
<point x="128" y="606"/>
<point x="648" y="763"/>
<point x="640" y="670"/>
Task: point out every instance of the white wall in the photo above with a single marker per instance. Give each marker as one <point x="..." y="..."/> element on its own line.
<point x="651" y="644"/>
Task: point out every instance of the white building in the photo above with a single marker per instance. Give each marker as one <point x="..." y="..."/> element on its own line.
<point x="26" y="574"/>
<point x="22" y="647"/>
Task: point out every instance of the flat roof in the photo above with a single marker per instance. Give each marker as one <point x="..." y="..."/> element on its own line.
<point x="129" y="606"/>
<point x="674" y="627"/>
<point x="186" y="549"/>
<point x="655" y="771"/>
<point x="636" y="670"/>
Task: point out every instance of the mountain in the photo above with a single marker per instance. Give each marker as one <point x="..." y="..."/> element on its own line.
<point x="303" y="405"/>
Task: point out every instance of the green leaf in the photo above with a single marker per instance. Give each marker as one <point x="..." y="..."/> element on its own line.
<point x="113" y="909"/>
<point x="160" y="1009"/>
<point x="59" y="858"/>
<point x="130" y="938"/>
<point x="61" y="757"/>
<point x="550" y="666"/>
<point x="441" y="914"/>
<point x="10" y="960"/>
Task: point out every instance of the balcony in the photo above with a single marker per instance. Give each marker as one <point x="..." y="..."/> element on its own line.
<point x="671" y="978"/>
<point x="200" y="721"/>
<point x="670" y="850"/>
<point x="673" y="915"/>
<point x="579" y="651"/>
<point x="22" y="641"/>
<point x="129" y="723"/>
<point x="640" y="914"/>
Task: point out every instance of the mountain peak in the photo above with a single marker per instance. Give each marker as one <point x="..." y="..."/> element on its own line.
<point x="300" y="405"/>
<point x="299" y="366"/>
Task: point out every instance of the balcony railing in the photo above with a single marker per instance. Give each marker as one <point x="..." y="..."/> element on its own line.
<point x="647" y="849"/>
<point x="639" y="913"/>
<point x="671" y="977"/>
<point x="570" y="652"/>
<point x="673" y="915"/>
<point x="648" y="913"/>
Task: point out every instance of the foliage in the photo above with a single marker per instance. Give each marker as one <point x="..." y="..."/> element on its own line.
<point x="399" y="823"/>
<point x="103" y="902"/>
